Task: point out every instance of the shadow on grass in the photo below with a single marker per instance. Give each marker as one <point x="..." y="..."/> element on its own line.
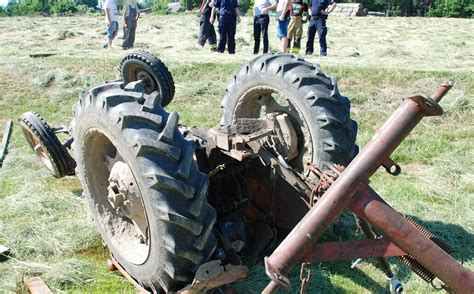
<point x="77" y="192"/>
<point x="325" y="277"/>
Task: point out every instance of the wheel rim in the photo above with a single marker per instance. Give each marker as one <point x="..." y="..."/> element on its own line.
<point x="116" y="198"/>
<point x="137" y="73"/>
<point x="259" y="101"/>
<point x="37" y="147"/>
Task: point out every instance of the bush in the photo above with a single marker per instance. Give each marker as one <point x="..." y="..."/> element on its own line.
<point x="84" y="9"/>
<point x="441" y="8"/>
<point x="452" y="8"/>
<point x="63" y="7"/>
<point x="160" y="6"/>
<point x="246" y="6"/>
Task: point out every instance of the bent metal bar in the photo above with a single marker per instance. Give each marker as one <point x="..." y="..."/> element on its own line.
<point x="351" y="191"/>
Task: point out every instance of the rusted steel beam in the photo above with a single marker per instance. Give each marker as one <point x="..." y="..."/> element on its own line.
<point x="368" y="205"/>
<point x="36" y="286"/>
<point x="317" y="220"/>
<point x="352" y="250"/>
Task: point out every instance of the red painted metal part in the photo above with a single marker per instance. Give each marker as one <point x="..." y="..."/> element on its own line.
<point x="368" y="205"/>
<point x="354" y="178"/>
<point x="352" y="250"/>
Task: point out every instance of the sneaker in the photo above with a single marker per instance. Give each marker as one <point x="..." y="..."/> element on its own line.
<point x="106" y="46"/>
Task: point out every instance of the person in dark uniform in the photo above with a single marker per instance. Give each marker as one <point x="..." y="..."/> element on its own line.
<point x="318" y="13"/>
<point x="229" y="16"/>
<point x="206" y="28"/>
<point x="130" y="18"/>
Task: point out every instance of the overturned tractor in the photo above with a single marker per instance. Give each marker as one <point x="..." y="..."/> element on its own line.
<point x="179" y="208"/>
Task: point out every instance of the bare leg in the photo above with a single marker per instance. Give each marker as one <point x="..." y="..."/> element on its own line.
<point x="284" y="44"/>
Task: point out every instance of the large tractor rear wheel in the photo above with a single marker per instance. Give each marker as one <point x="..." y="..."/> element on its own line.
<point x="319" y="115"/>
<point x="143" y="186"/>
<point x="318" y="112"/>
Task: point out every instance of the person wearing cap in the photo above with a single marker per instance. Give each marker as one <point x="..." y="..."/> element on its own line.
<point x="229" y="16"/>
<point x="206" y="28"/>
<point x="319" y="11"/>
<point x="260" y="23"/>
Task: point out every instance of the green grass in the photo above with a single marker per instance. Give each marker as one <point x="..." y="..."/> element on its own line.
<point x="45" y="221"/>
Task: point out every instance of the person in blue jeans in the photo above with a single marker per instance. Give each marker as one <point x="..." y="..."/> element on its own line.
<point x="111" y="18"/>
<point x="319" y="11"/>
<point x="229" y="16"/>
<point x="283" y="19"/>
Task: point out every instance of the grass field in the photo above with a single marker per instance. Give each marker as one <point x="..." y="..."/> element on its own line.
<point x="377" y="61"/>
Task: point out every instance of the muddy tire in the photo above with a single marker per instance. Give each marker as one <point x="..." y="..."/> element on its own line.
<point x="141" y="65"/>
<point x="116" y="125"/>
<point x="46" y="145"/>
<point x="319" y="114"/>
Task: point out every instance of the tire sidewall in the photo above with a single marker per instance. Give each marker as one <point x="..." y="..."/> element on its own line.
<point x="87" y="123"/>
<point x="282" y="87"/>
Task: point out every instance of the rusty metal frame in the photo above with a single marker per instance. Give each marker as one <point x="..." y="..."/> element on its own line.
<point x="352" y="249"/>
<point x="351" y="191"/>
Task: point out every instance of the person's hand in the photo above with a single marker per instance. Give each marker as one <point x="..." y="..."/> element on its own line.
<point x="211" y="20"/>
<point x="125" y="25"/>
<point x="108" y="23"/>
<point x="281" y="18"/>
<point x="264" y="10"/>
<point x="238" y="18"/>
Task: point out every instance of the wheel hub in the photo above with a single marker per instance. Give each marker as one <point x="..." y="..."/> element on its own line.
<point x="146" y="78"/>
<point x="125" y="198"/>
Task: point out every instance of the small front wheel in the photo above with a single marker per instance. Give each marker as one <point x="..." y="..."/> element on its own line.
<point x="44" y="142"/>
<point x="141" y="65"/>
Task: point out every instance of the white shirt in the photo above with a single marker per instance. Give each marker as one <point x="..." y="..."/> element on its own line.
<point x="260" y="4"/>
<point x="114" y="15"/>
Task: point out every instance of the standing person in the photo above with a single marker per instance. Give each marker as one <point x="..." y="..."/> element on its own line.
<point x="283" y="19"/>
<point x="260" y="23"/>
<point x="295" y="28"/>
<point x="206" y="28"/>
<point x="111" y="18"/>
<point x="318" y="13"/>
<point x="130" y="18"/>
<point x="229" y="17"/>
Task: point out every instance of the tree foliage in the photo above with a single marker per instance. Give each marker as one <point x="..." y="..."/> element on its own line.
<point x="441" y="8"/>
<point x="29" y="7"/>
<point x="438" y="8"/>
